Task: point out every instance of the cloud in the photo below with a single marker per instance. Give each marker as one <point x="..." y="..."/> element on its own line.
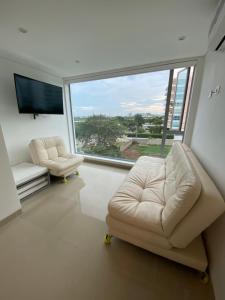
<point x="85" y="108"/>
<point x="159" y="98"/>
<point x="128" y="104"/>
<point x="155" y="108"/>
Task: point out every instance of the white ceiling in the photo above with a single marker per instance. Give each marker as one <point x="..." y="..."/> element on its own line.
<point x="103" y="34"/>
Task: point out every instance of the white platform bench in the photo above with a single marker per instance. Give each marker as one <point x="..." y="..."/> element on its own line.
<point x="29" y="178"/>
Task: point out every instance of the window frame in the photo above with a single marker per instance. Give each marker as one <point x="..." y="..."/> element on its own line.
<point x="171" y="65"/>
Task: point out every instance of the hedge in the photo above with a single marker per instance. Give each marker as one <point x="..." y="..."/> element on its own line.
<point x="149" y="135"/>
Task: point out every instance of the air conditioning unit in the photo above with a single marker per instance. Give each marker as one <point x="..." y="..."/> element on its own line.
<point x="217" y="29"/>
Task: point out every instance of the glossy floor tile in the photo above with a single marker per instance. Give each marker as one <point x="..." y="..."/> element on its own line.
<point x="55" y="250"/>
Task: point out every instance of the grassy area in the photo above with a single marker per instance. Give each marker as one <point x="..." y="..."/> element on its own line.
<point x="132" y="153"/>
<point x="103" y="151"/>
<point x="149" y="150"/>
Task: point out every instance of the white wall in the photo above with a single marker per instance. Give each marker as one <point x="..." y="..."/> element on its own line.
<point x="194" y="99"/>
<point x="208" y="142"/>
<point x="9" y="202"/>
<point x="19" y="129"/>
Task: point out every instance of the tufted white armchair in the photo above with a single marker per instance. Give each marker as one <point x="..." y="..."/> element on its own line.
<point x="51" y="152"/>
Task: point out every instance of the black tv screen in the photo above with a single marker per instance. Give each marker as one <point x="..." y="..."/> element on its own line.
<point x="36" y="97"/>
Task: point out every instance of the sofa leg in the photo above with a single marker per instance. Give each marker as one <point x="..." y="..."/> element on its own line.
<point x="76" y="173"/>
<point x="107" y="239"/>
<point x="65" y="180"/>
<point x="204" y="277"/>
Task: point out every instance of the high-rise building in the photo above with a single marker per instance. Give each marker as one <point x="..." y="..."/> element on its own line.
<point x="179" y="99"/>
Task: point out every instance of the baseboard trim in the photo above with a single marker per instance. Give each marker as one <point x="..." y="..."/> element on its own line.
<point x="12" y="216"/>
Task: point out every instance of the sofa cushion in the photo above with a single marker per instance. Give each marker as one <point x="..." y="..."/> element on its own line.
<point x="140" y="199"/>
<point x="182" y="188"/>
<point x="207" y="209"/>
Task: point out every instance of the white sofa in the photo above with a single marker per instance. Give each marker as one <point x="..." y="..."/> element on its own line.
<point x="50" y="152"/>
<point x="164" y="205"/>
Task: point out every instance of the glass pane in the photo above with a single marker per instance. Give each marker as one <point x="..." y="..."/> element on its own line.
<point x="120" y="117"/>
<point x="123" y="117"/>
<point x="177" y="100"/>
<point x="170" y="139"/>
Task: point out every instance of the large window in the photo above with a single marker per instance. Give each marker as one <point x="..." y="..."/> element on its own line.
<point x="129" y="116"/>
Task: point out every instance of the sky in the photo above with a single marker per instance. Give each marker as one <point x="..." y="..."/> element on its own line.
<point x="124" y="95"/>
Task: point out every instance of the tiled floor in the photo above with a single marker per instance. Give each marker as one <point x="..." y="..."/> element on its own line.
<point x="55" y="250"/>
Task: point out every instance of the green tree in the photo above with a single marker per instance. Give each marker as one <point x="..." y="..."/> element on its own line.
<point x="131" y="125"/>
<point x="156" y="120"/>
<point x="127" y="122"/>
<point x="99" y="130"/>
<point x="157" y="124"/>
<point x="139" y="120"/>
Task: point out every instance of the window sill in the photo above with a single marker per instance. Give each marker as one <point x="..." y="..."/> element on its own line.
<point x="108" y="161"/>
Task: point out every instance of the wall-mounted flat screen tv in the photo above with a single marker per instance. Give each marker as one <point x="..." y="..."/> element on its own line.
<point x="37" y="97"/>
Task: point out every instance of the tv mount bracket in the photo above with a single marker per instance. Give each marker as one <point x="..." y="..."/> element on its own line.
<point x="35" y="115"/>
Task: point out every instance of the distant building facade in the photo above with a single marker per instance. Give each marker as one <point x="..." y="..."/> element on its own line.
<point x="180" y="93"/>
